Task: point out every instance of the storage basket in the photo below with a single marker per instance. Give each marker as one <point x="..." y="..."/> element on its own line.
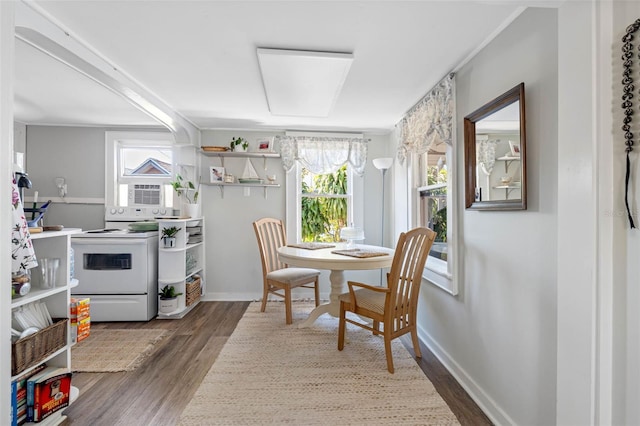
<point x="192" y="291"/>
<point x="33" y="349"/>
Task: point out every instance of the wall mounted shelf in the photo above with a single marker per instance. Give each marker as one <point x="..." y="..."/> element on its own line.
<point x="233" y="154"/>
<point x="221" y="186"/>
<point x="507" y="161"/>
<point x="265" y="155"/>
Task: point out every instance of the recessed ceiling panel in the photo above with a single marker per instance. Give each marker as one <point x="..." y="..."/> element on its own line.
<point x="302" y="83"/>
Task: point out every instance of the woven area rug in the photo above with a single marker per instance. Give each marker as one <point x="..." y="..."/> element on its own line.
<point x="271" y="373"/>
<point x="114" y="350"/>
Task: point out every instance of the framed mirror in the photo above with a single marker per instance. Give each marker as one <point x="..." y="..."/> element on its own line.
<point x="495" y="154"/>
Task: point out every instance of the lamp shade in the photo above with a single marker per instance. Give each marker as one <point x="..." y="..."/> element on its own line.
<point x="382" y="163"/>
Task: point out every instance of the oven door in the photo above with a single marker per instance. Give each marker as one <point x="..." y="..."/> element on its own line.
<point x="111" y="265"/>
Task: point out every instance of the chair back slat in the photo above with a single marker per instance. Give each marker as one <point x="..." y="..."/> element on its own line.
<point x="271" y="235"/>
<point x="405" y="276"/>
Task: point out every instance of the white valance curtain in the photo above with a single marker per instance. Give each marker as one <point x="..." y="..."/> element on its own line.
<point x="323" y="155"/>
<point x="430" y="121"/>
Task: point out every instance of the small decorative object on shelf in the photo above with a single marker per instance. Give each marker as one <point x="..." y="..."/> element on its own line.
<point x="20" y="284"/>
<point x="169" y="236"/>
<point x="216" y="173"/>
<point x="264" y="144"/>
<point x="168" y="299"/>
<point x="239" y="144"/>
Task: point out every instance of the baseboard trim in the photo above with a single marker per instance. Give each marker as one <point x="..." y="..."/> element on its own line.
<point x="484" y="401"/>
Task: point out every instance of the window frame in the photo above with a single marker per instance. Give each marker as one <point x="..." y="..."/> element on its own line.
<point x="113" y="142"/>
<point x="293" y="195"/>
<point x="293" y="214"/>
<point x="437" y="272"/>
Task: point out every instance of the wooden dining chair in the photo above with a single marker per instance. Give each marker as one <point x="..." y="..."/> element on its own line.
<point x="278" y="278"/>
<point x="395" y="305"/>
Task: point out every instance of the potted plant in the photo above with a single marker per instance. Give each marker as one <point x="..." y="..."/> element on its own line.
<point x="168" y="299"/>
<point x="239" y="144"/>
<point x="189" y="192"/>
<point x="186" y="189"/>
<point x="169" y="236"/>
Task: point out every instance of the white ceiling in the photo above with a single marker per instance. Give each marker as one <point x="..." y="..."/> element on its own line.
<point x="200" y="58"/>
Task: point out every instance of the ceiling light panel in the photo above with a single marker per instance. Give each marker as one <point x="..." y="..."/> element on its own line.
<point x="302" y="83"/>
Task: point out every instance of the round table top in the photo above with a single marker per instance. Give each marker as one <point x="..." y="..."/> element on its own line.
<point x="325" y="259"/>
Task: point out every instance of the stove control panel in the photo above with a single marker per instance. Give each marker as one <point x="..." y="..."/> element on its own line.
<point x="117" y="213"/>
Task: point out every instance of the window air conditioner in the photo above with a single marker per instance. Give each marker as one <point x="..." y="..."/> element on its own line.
<point x="145" y="195"/>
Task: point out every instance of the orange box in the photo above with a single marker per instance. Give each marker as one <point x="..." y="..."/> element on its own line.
<point x="79" y="308"/>
<point x="80" y="330"/>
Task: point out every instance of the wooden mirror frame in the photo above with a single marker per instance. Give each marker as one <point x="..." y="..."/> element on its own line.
<point x="507" y="98"/>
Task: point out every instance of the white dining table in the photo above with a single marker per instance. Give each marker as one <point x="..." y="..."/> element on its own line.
<point x="337" y="264"/>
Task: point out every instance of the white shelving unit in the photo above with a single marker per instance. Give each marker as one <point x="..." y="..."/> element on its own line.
<point x="246" y="155"/>
<point x="178" y="264"/>
<point x="53" y="244"/>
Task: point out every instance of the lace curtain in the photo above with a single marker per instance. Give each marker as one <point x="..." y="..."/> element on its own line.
<point x="430" y="121"/>
<point x="486" y="155"/>
<point x="323" y="155"/>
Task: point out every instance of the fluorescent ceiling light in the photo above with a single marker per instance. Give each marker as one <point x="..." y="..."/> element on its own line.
<point x="302" y="83"/>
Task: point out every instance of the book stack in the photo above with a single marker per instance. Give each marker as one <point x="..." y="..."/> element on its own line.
<point x="40" y="393"/>
<point x="195" y="234"/>
<point x="19" y="396"/>
<point x="79" y="319"/>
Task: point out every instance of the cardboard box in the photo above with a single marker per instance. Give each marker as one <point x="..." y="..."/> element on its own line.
<point x="79" y="309"/>
<point x="80" y="330"/>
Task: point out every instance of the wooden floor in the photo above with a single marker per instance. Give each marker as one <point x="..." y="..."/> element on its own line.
<point x="157" y="392"/>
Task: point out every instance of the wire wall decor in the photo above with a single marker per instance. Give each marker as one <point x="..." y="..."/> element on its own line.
<point x="627" y="106"/>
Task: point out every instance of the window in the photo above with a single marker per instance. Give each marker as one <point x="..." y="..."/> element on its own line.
<point x="436" y="210"/>
<point x="318" y="205"/>
<point x="139" y="168"/>
<point x="325" y="203"/>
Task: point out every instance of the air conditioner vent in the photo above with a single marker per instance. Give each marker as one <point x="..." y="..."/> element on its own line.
<point x="145" y="195"/>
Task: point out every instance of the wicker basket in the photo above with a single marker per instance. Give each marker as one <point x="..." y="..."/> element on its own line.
<point x="31" y="350"/>
<point x="192" y="291"/>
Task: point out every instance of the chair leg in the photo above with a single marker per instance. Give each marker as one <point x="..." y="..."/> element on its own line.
<point x="265" y="296"/>
<point x="341" y="327"/>
<point x="416" y="343"/>
<point x="387" y="350"/>
<point x="287" y="302"/>
<point x="317" y="291"/>
<point x="376" y="327"/>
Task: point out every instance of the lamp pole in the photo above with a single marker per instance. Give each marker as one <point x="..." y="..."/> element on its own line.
<point x="382" y="164"/>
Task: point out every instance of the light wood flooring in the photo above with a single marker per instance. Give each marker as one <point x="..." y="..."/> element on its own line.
<point x="157" y="391"/>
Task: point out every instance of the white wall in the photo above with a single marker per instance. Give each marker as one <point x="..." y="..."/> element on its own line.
<point x="78" y="155"/>
<point x="498" y="336"/>
<point x="626" y="249"/>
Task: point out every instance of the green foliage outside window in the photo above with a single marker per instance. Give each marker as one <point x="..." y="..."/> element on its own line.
<point x="323" y="217"/>
<point x="438" y="213"/>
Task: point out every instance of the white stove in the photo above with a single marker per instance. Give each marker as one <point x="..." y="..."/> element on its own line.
<point x="118" y="270"/>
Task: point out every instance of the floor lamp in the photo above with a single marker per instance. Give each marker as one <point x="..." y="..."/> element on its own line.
<point x="382" y="164"/>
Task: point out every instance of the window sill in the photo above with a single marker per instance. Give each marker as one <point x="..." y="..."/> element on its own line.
<point x="436" y="272"/>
